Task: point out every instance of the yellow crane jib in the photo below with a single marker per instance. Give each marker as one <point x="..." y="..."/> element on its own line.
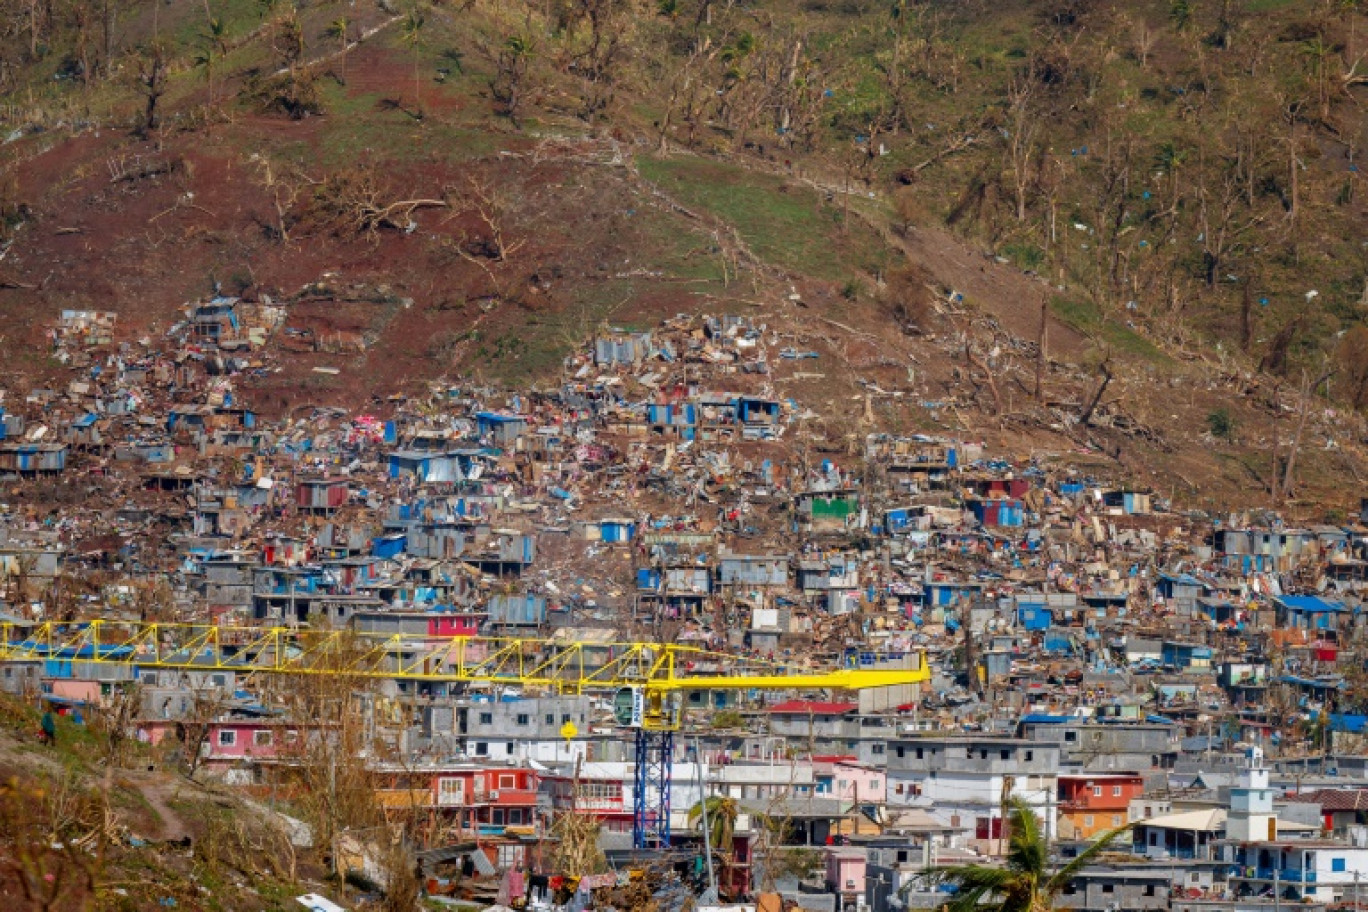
<point x="653" y="669"/>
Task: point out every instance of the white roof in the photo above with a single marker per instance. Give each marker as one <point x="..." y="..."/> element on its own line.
<point x="1210" y="820"/>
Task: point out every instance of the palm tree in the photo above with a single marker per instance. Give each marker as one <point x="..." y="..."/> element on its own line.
<point x="1025" y="883"/>
<point x="722" y="811"/>
<point x="215" y="46"/>
<point x="338" y="30"/>
<point x="413" y="37"/>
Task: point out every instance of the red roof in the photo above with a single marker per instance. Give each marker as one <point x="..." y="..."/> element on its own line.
<point x="1334" y="799"/>
<point x="814" y="707"/>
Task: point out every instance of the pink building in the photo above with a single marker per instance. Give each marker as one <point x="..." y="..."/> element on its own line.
<point x="845" y="779"/>
<point x="236" y="740"/>
<point x="845" y="875"/>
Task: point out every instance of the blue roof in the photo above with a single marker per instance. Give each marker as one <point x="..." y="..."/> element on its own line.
<point x="1313" y="604"/>
<point x="1348" y="722"/>
<point x="1044" y="719"/>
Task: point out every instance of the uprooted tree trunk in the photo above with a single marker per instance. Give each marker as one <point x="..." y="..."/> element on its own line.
<point x="981" y="364"/>
<point x="1104" y="371"/>
<point x="1283" y="488"/>
<point x="1041" y="339"/>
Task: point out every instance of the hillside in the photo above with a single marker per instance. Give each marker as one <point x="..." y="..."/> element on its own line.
<point x="97" y="822"/>
<point x="904" y="189"/>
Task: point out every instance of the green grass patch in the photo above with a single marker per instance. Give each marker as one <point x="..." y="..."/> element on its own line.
<point x="1087" y="318"/>
<point x="785" y="224"/>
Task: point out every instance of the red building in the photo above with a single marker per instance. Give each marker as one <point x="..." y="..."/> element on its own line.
<point x="476" y="799"/>
<point x="1093" y="803"/>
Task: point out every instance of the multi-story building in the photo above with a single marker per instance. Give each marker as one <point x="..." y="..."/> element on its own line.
<point x="1093" y="803"/>
<point x="966" y="781"/>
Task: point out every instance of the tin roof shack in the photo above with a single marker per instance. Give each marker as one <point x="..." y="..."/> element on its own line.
<point x="676" y="420"/>
<point x="913" y="463"/>
<point x="997" y="512"/>
<point x="833" y="580"/>
<point x="436" y="466"/>
<point x="1126" y="502"/>
<point x="321" y="496"/>
<point x="85" y="432"/>
<point x="828" y="512"/>
<point x="1262" y="550"/>
<point x="507" y="552"/>
<point x="213" y="321"/>
<point x="742" y="572"/>
<point x="513" y="611"/>
<point x="622" y="349"/>
<point x="32" y="459"/>
<point x="85" y="328"/>
<point x="1189" y="658"/>
<point x="1311" y="612"/>
<point x="501" y="430"/>
<point x="220" y="514"/>
<point x="1245" y="683"/>
<point x="11" y="425"/>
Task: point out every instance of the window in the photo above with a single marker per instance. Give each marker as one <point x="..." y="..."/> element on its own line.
<point x="508" y="781"/>
<point x="261" y="738"/>
<point x="227" y="738"/>
<point x="1097" y="791"/>
<point x="1109" y="888"/>
<point x="921" y="754"/>
<point x="1006" y="754"/>
<point x="1149" y="890"/>
<point x="898" y="789"/>
<point x="1337" y="864"/>
<point x="524" y="718"/>
<point x="983" y="754"/>
<point x="1116" y="791"/>
<point x="902" y="855"/>
<point x="1194" y="878"/>
<point x="450" y="790"/>
<point x="565" y="717"/>
<point x="1030" y="755"/>
<point x="486" y="718"/>
<point x="1071" y="737"/>
<point x="481" y="749"/>
<point x="1116" y="820"/>
<point x="498" y="816"/>
<point x="877" y="749"/>
<point x="1088" y="820"/>
<point x="291" y="736"/>
<point x="550" y="718"/>
<point x="508" y="748"/>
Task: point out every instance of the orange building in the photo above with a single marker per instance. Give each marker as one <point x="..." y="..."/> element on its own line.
<point x="1093" y="803"/>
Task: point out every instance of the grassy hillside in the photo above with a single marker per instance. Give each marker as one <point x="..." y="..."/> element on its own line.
<point x="479" y="186"/>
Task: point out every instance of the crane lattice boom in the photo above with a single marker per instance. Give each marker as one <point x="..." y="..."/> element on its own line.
<point x="561" y="666"/>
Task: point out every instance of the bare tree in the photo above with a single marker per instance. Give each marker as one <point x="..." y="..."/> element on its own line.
<point x="150" y="68"/>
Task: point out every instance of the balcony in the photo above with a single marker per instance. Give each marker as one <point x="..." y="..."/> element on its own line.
<point x="1283" y="875"/>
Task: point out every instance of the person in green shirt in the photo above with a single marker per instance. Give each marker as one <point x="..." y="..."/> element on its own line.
<point x="49" y="729"/>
